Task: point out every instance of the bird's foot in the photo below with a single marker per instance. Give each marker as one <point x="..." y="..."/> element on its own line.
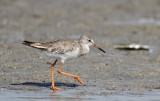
<point x="56" y="88"/>
<point x="79" y="79"/>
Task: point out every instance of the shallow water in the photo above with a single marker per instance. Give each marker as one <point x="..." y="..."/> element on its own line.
<point x="44" y="95"/>
<point x="140" y="21"/>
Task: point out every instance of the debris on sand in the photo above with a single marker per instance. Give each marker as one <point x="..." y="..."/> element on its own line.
<point x="132" y="47"/>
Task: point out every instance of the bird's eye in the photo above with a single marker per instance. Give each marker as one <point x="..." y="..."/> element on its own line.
<point x="89" y="40"/>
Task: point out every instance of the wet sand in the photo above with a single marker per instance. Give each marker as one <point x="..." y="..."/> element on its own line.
<point x="108" y="22"/>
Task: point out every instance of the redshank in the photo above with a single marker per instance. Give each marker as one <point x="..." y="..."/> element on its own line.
<point x="64" y="49"/>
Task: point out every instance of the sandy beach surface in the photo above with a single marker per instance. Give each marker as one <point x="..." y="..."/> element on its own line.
<point x="108" y="22"/>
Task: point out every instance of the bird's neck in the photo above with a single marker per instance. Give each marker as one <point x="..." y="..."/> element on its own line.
<point x="85" y="49"/>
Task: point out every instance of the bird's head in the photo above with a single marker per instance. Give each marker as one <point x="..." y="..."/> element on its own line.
<point x="88" y="41"/>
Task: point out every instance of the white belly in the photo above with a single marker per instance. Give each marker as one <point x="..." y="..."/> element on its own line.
<point x="70" y="54"/>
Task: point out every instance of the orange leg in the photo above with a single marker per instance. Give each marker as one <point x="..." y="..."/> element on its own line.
<point x="52" y="74"/>
<point x="74" y="76"/>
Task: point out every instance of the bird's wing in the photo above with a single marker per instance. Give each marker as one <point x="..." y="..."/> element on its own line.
<point x="59" y="46"/>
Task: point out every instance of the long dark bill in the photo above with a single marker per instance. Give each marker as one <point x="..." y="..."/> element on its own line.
<point x="94" y="45"/>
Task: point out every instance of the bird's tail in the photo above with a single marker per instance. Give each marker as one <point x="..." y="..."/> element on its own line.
<point x="28" y="43"/>
<point x="34" y="45"/>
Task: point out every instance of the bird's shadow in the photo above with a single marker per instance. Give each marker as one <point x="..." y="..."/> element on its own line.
<point x="46" y="84"/>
